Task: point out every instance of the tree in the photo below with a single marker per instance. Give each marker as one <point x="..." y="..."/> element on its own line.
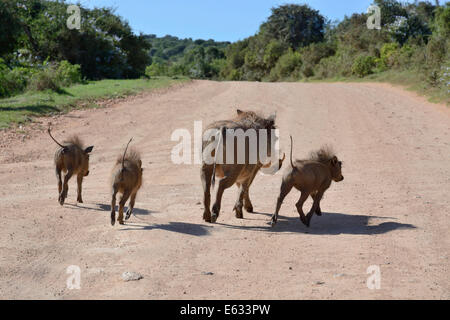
<point x="295" y="25"/>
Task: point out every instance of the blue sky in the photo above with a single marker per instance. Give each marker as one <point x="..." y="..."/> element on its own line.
<point x="221" y="20"/>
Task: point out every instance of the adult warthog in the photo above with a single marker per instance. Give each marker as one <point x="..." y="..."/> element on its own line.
<point x="234" y="151"/>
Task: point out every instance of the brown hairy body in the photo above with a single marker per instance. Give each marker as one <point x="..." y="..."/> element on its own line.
<point x="72" y="159"/>
<point x="229" y="174"/>
<point x="312" y="177"/>
<point x="126" y="179"/>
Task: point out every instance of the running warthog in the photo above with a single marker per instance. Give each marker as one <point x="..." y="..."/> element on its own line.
<point x="244" y="163"/>
<point x="126" y="179"/>
<point x="312" y="177"/>
<point x="71" y="158"/>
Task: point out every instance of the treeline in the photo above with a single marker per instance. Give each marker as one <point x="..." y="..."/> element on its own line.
<point x="39" y="51"/>
<point x="297" y="42"/>
<point x="194" y="58"/>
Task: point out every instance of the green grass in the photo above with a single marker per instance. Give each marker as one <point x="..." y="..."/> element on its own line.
<point x="22" y="108"/>
<point x="409" y="79"/>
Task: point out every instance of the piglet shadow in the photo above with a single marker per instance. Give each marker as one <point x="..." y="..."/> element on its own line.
<point x="332" y="224"/>
<point x="178" y="227"/>
<point x="136" y="211"/>
<point x="105" y="207"/>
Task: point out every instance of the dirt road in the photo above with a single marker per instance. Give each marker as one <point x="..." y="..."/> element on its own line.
<point x="392" y="210"/>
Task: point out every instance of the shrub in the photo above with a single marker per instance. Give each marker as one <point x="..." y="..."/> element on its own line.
<point x="156" y="69"/>
<point x="363" y="66"/>
<point x="68" y="74"/>
<point x="45" y="79"/>
<point x="389" y="55"/>
<point x="288" y="66"/>
<point x="313" y="54"/>
<point x="13" y="81"/>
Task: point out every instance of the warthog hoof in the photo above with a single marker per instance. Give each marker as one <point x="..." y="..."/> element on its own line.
<point x="79" y="200"/>
<point x="305" y="221"/>
<point x="128" y="214"/>
<point x="319" y="212"/>
<point x="121" y="222"/>
<point x="113" y="218"/>
<point x="61" y="200"/>
<point x="239" y="213"/>
<point x="249" y="209"/>
<point x="273" y="223"/>
<point x="207" y="216"/>
<point x="215" y="214"/>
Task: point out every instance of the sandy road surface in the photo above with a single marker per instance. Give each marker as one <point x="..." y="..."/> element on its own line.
<point x="391" y="211"/>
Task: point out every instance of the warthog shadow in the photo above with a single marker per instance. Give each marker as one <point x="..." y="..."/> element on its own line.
<point x="107" y="207"/>
<point x="136" y="211"/>
<point x="331" y="224"/>
<point x="178" y="227"/>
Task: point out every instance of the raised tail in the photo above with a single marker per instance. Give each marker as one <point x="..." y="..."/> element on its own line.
<point x="59" y="144"/>
<point x="124" y="154"/>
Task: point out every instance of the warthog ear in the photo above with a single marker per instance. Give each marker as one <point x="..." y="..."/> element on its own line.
<point x="334" y="161"/>
<point x="239" y="112"/>
<point x="88" y="149"/>
<point x="272" y="117"/>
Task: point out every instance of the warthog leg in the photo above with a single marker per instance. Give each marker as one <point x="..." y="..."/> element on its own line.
<point x="59" y="177"/>
<point x="113" y="206"/>
<point x="243" y="189"/>
<point x="224" y="183"/>
<point x="316" y="206"/>
<point x="79" y="183"/>
<point x="206" y="175"/>
<point x="247" y="203"/>
<point x="299" y="206"/>
<point x="284" y="191"/>
<point x="131" y="206"/>
<point x="63" y="194"/>
<point x="122" y="202"/>
<point x="317" y="211"/>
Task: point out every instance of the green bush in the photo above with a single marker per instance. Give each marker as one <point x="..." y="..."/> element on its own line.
<point x="13" y="81"/>
<point x="389" y="55"/>
<point x="156" y="69"/>
<point x="313" y="54"/>
<point x="363" y="66"/>
<point x="49" y="76"/>
<point x="339" y="65"/>
<point x="68" y="74"/>
<point x="288" y="66"/>
<point x="45" y="79"/>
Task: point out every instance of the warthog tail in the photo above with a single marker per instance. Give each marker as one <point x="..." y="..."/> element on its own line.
<point x="124" y="154"/>
<point x="59" y="144"/>
<point x="222" y="134"/>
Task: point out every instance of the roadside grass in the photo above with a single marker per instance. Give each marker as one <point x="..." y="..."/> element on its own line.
<point x="22" y="108"/>
<point x="411" y="80"/>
